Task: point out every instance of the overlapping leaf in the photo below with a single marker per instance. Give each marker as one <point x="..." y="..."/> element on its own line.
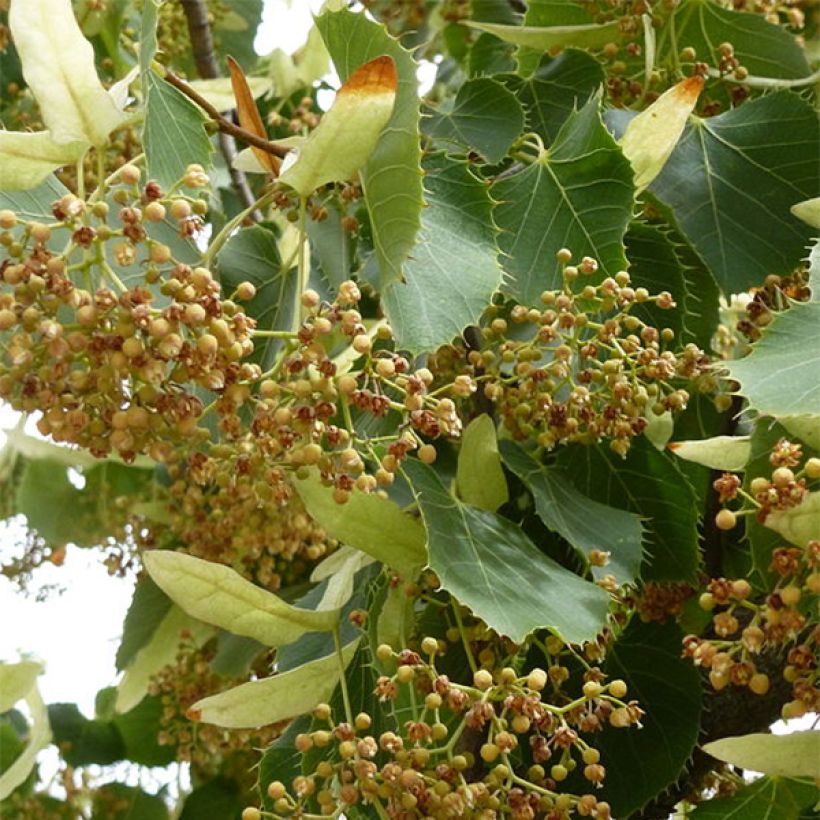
<point x="779" y="376"/>
<point x="794" y="755"/>
<point x="732" y="180"/>
<point x="491" y="566"/>
<point x="646" y="482"/>
<point x="480" y="478"/>
<point x="484" y="116"/>
<point x="582" y="521"/>
<point x="392" y="176"/>
<point x="577" y="195"/>
<point x="769" y="798"/>
<point x="456" y="255"/>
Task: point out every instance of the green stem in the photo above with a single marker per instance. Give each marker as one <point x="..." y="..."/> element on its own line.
<point x="464" y="641"/>
<point x="337" y="642"/>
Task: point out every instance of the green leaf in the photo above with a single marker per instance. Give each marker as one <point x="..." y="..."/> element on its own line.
<point x="234" y="31"/>
<point x="641" y="763"/>
<point x="34" y="205"/>
<point x="578" y="195"/>
<point x="806" y="428"/>
<point x="491" y="566"/>
<point x="368" y="522"/>
<point x="148" y="35"/>
<point x="793" y="755"/>
<point x="266" y="701"/>
<point x="27" y="158"/>
<point x="456" y="254"/>
<point x="480" y="477"/>
<point x="728" y="453"/>
<point x="732" y="180"/>
<point x="139" y="729"/>
<point x="148" y="608"/>
<point x="16" y="681"/>
<point x="769" y="798"/>
<point x="235" y="654"/>
<point x="586" y="524"/>
<point x="392" y="176"/>
<point x="762" y="48"/>
<point x="116" y="801"/>
<point x="252" y="255"/>
<point x="589" y="35"/>
<point x="557" y="87"/>
<point x="281" y="760"/>
<point x="160" y="651"/>
<point x="82" y="741"/>
<point x="799" y="524"/>
<point x="219" y="595"/>
<point x="484" y="116"/>
<point x="173" y="133"/>
<point x="648" y="483"/>
<point x="779" y="376"/>
<point x="331" y="248"/>
<point x="220" y="797"/>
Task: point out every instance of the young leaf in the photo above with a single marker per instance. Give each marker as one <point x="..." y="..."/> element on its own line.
<point x="592" y="35"/>
<point x="161" y="650"/>
<point x="33" y="205"/>
<point x="392" y="176"/>
<point x="249" y="116"/>
<point x="218" y="595"/>
<point x="58" y="65"/>
<point x="490" y="565"/>
<point x="651" y="137"/>
<point x="729" y="453"/>
<point x="732" y="180"/>
<point x="345" y="138"/>
<point x="458" y="254"/>
<point x="578" y="195"/>
<point x="480" y="477"/>
<point x="799" y="524"/>
<point x="583" y="522"/>
<point x="369" y="523"/>
<point x="484" y="116"/>
<point x="266" y="701"/>
<point x="794" y="755"/>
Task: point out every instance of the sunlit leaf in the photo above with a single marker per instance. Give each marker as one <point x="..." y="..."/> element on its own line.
<point x="27" y="158"/>
<point x="219" y="595"/>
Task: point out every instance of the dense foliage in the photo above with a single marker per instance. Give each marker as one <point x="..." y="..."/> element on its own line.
<point x="464" y="451"/>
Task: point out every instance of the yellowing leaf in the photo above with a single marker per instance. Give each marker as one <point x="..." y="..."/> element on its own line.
<point x="27" y="158"/>
<point x="348" y="132"/>
<point x="219" y="92"/>
<point x="266" y="701"/>
<point x="808" y="211"/>
<point x="220" y="596"/>
<point x="160" y="651"/>
<point x="18" y="681"/>
<point x="799" y="524"/>
<point x="651" y="137"/>
<point x="480" y="477"/>
<point x="369" y="523"/>
<point x="728" y="453"/>
<point x="249" y="117"/>
<point x="58" y="66"/>
<point x="793" y="755"/>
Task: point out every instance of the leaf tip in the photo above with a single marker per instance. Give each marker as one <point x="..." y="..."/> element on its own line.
<point x="379" y="76"/>
<point x="194" y="714"/>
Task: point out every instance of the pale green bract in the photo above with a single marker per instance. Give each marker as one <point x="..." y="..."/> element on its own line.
<point x="480" y="477"/>
<point x="368" y="522"/>
<point x="220" y="596"/>
<point x="793" y="755"/>
<point x="593" y="35"/>
<point x="729" y="453"/>
<point x="799" y="524"/>
<point x="280" y="697"/>
<point x="18" y="681"/>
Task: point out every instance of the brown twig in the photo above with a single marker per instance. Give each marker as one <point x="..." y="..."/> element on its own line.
<point x="225" y="125"/>
<point x="202" y="44"/>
